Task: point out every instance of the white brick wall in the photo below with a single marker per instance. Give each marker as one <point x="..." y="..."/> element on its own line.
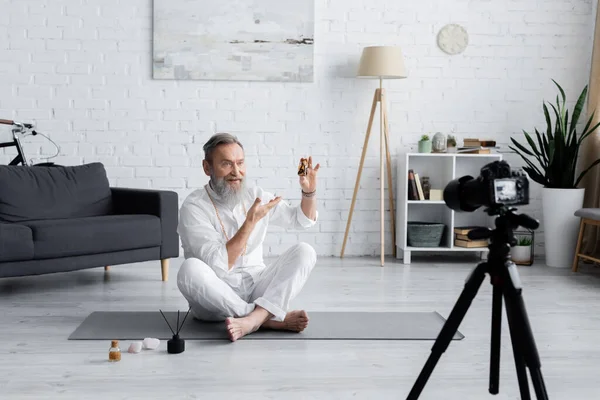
<point x="82" y="71"/>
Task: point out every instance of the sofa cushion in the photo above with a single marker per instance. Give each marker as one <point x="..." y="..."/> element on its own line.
<point x="39" y="193"/>
<point x="16" y="242"/>
<point x="93" y="235"/>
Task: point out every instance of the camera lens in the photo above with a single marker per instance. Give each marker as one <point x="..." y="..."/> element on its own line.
<point x="452" y="195"/>
<point x="490" y="189"/>
<point x="465" y="194"/>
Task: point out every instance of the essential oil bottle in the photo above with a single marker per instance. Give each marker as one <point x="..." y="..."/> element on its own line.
<point x="114" y="353"/>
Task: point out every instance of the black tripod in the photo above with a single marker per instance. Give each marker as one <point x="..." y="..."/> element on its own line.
<point x="505" y="279"/>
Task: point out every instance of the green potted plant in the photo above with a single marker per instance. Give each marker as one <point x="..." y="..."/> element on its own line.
<point x="556" y="153"/>
<point x="451" y="144"/>
<point x="425" y="144"/>
<point x="521" y="253"/>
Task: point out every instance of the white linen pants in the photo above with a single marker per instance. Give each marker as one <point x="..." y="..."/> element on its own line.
<point x="213" y="299"/>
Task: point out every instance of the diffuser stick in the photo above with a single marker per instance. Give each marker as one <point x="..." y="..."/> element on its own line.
<point x="167" y="322"/>
<point x="184" y="318"/>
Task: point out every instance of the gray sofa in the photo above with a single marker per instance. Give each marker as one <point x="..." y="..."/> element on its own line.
<point x="66" y="218"/>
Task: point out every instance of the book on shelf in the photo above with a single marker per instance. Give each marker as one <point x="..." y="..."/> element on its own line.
<point x="413" y="194"/>
<point x="415" y="186"/>
<point x="470" y="243"/>
<point x="461" y="238"/>
<point x="477" y="146"/>
<point x="470" y="142"/>
<point x="464" y="230"/>
<point x="419" y="187"/>
<point x="474" y="150"/>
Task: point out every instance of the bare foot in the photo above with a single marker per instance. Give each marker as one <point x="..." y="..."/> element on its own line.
<point x="295" y="321"/>
<point x="239" y="327"/>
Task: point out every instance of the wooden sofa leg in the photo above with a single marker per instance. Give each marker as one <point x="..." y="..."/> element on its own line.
<point x="578" y="246"/>
<point x="164" y="265"/>
<point x="107" y="268"/>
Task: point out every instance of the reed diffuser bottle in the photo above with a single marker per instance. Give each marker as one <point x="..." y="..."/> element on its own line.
<point x="176" y="344"/>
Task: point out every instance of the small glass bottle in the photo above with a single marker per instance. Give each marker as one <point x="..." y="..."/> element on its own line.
<point x="114" y="353"/>
<point x="426" y="186"/>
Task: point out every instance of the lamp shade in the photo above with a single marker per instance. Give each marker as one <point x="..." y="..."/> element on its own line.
<point x="382" y="62"/>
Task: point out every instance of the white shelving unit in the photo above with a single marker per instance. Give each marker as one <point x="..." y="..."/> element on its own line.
<point x="441" y="168"/>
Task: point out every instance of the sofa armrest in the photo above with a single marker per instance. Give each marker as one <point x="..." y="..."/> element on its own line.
<point x="161" y="203"/>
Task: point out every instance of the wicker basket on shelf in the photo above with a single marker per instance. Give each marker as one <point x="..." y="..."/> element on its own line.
<point x="425" y="234"/>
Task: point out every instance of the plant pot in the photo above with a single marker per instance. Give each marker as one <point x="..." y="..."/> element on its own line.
<point x="521" y="254"/>
<point x="425" y="146"/>
<point x="561" y="226"/>
<point x="451" y="149"/>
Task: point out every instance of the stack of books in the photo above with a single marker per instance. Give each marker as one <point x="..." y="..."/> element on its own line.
<point x="477" y="146"/>
<point x="462" y="240"/>
<point x="415" y="189"/>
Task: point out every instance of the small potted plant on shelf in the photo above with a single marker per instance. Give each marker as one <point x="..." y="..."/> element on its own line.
<point x="451" y="144"/>
<point x="521" y="253"/>
<point x="425" y="144"/>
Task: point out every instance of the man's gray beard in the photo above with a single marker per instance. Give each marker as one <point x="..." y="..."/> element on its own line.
<point x="228" y="194"/>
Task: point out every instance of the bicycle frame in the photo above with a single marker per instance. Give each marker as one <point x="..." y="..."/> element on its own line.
<point x="19" y="128"/>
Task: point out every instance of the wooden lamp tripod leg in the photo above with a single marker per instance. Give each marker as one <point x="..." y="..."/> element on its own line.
<point x="389" y="172"/>
<point x="376" y="97"/>
<point x="381" y="173"/>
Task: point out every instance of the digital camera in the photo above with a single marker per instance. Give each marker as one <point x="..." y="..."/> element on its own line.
<point x="496" y="186"/>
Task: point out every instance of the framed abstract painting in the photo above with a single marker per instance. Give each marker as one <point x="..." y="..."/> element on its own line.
<point x="250" y="40"/>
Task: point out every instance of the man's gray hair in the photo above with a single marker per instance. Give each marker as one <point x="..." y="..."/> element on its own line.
<point x="217" y="140"/>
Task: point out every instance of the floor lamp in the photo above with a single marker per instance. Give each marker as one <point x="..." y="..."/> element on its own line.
<point x="381" y="62"/>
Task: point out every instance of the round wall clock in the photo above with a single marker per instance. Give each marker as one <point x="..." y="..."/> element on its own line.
<point x="453" y="39"/>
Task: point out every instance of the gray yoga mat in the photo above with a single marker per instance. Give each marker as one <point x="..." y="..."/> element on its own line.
<point x="137" y="325"/>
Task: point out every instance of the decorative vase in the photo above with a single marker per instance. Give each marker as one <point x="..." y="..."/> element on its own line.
<point x="561" y="226"/>
<point x="425" y="146"/>
<point x="520" y="254"/>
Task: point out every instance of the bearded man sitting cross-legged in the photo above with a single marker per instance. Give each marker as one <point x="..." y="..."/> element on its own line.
<point x="222" y="228"/>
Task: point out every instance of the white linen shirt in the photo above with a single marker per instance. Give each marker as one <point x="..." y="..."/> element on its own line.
<point x="202" y="236"/>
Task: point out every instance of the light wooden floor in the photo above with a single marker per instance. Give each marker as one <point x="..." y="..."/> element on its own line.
<point x="39" y="313"/>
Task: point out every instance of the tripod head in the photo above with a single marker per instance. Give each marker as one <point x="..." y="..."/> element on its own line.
<point x="503" y="237"/>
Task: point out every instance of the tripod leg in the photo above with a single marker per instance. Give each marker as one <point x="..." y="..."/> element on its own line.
<point x="525" y="341"/>
<point x="450" y="327"/>
<point x="495" y="337"/>
<point x="517" y="351"/>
